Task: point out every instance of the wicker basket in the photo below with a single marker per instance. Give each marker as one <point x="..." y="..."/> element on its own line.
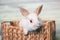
<point x="12" y="31"/>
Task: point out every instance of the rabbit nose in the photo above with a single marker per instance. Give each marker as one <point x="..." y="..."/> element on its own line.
<point x="36" y="25"/>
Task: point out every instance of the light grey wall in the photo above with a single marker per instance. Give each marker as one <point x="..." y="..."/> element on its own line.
<point x="51" y="10"/>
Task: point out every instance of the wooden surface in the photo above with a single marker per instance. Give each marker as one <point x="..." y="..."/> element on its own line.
<point x="12" y="31"/>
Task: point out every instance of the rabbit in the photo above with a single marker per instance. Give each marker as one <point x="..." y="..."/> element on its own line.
<point x="30" y="21"/>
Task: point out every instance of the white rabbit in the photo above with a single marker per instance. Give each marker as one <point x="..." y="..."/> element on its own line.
<point x="31" y="21"/>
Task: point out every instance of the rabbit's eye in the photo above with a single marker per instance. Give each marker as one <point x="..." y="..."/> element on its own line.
<point x="31" y="21"/>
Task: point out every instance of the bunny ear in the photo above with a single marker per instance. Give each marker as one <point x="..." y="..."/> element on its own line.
<point x="38" y="10"/>
<point x="24" y="11"/>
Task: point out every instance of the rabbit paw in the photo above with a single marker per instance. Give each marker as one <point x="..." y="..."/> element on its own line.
<point x="25" y="31"/>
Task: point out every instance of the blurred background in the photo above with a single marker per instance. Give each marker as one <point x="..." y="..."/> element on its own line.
<point x="9" y="10"/>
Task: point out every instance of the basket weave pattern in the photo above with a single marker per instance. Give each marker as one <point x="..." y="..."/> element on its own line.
<point x="12" y="31"/>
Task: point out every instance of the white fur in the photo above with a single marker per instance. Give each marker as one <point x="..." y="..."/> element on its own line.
<point x="25" y="23"/>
